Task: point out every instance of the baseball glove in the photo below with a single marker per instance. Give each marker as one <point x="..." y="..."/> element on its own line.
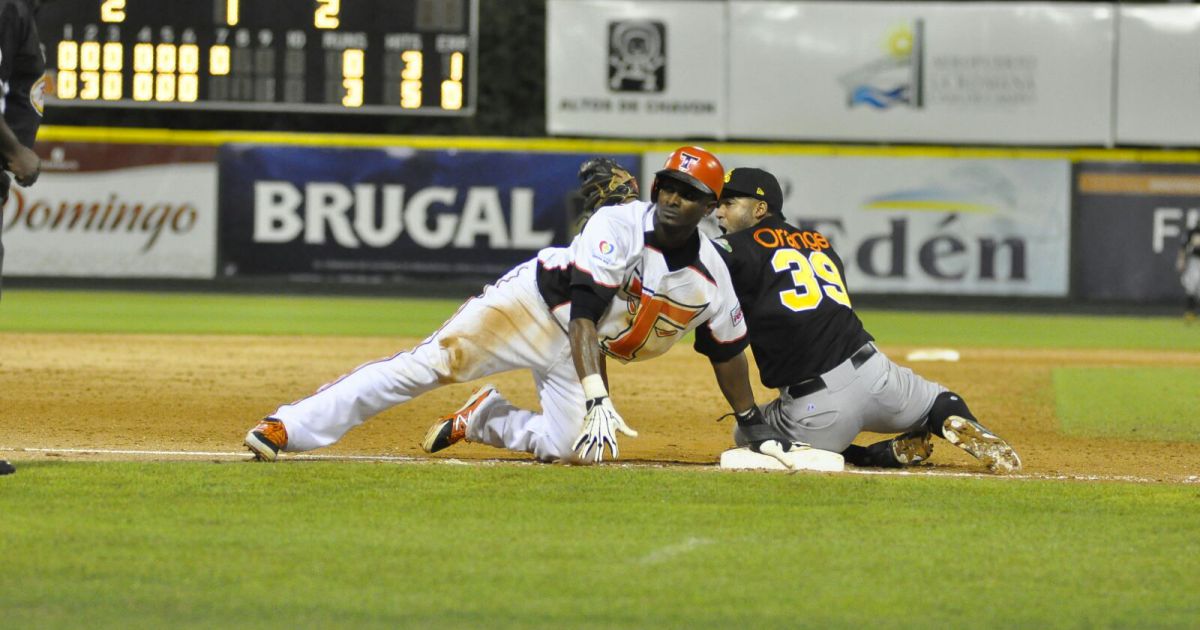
<point x="603" y="182"/>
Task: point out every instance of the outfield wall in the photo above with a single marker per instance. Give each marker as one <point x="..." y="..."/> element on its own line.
<point x="1094" y="225"/>
<point x="996" y="73"/>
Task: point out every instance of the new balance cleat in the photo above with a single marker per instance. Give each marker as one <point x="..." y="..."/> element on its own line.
<point x="982" y="444"/>
<point x="267" y="439"/>
<point x="452" y="429"/>
<point x="912" y="448"/>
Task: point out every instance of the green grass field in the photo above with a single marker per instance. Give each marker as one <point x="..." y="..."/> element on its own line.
<point x="1144" y="403"/>
<point x="351" y="544"/>
<point x="387" y="545"/>
<point x="121" y="312"/>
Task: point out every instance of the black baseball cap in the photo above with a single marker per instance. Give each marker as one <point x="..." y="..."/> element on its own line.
<point x="755" y="183"/>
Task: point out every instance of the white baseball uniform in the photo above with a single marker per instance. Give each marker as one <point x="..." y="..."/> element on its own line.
<point x="520" y="321"/>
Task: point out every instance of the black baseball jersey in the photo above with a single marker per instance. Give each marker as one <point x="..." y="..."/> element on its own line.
<point x="21" y="70"/>
<point x="792" y="287"/>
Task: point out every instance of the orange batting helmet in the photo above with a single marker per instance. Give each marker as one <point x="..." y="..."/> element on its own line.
<point x="693" y="166"/>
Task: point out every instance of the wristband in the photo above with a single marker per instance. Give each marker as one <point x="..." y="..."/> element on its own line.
<point x="593" y="386"/>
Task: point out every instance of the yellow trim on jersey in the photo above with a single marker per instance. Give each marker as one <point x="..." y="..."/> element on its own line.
<point x="120" y="135"/>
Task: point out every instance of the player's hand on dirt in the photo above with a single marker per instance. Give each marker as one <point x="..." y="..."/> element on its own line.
<point x="600" y="426"/>
<point x="24" y="165"/>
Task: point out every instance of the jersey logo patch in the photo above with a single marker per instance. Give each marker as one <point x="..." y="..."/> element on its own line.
<point x="37" y="95"/>
<point x="604" y="252"/>
<point x="736" y="316"/>
<point x="649" y="314"/>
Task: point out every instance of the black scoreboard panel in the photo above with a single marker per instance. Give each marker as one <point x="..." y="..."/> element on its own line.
<point x="353" y="56"/>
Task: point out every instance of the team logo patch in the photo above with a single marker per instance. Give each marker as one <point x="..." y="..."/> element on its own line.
<point x="736" y="316"/>
<point x="687" y="161"/>
<point x="37" y="95"/>
<point x="605" y="248"/>
<point x="723" y="244"/>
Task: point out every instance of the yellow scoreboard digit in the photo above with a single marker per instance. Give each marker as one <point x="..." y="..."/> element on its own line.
<point x="355" y="56"/>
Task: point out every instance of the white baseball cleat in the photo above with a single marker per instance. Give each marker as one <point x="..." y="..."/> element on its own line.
<point x="982" y="444"/>
<point x="452" y="429"/>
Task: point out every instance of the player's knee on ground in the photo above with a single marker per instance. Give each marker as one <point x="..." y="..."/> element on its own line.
<point x="945" y="405"/>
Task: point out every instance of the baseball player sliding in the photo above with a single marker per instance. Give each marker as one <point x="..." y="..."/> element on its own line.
<point x="637" y="279"/>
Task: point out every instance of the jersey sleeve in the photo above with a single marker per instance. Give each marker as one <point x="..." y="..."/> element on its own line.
<point x="26" y="83"/>
<point x="724" y="335"/>
<point x="600" y="252"/>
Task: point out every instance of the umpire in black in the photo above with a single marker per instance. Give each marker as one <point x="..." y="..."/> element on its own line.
<point x="22" y="70"/>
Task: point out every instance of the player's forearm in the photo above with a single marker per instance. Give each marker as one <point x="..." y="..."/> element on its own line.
<point x="9" y="145"/>
<point x="733" y="377"/>
<point x="584" y="348"/>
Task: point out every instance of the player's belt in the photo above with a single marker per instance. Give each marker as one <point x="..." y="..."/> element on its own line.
<point x="815" y="384"/>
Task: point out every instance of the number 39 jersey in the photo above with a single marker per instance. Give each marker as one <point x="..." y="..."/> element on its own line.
<point x="656" y="296"/>
<point x="792" y="287"/>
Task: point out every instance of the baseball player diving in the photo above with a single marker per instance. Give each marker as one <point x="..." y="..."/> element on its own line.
<point x="810" y="345"/>
<point x="638" y="278"/>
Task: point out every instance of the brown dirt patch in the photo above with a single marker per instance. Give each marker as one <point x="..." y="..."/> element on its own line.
<point x="202" y="393"/>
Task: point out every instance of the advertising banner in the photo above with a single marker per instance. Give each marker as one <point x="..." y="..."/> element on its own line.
<point x="1130" y="223"/>
<point x="625" y="68"/>
<point x="115" y="211"/>
<point x="931" y="225"/>
<point x="1020" y="73"/>
<point x="386" y="214"/>
<point x="1158" y="75"/>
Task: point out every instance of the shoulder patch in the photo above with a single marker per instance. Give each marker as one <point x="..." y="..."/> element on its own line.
<point x="723" y="244"/>
<point x="604" y="252"/>
<point x="37" y="96"/>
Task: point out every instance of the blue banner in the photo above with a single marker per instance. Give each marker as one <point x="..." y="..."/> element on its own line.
<point x="388" y="214"/>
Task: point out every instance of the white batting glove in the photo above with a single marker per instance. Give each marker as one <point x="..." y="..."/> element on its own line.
<point x="777" y="449"/>
<point x="600" y="423"/>
<point x="764" y="438"/>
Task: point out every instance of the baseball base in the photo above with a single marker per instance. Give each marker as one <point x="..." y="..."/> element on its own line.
<point x="805" y="458"/>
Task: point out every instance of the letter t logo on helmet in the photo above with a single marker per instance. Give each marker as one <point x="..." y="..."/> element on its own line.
<point x="696" y="167"/>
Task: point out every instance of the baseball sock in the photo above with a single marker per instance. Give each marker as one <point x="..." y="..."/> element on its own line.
<point x="877" y="455"/>
<point x="945" y="405"/>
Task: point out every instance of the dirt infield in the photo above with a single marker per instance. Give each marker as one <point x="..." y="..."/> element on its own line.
<point x="201" y="393"/>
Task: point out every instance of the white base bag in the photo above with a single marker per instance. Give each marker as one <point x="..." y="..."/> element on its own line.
<point x="804" y="457"/>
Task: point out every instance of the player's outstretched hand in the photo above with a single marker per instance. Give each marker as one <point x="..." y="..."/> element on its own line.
<point x="600" y="424"/>
<point x="765" y="438"/>
<point x="776" y="449"/>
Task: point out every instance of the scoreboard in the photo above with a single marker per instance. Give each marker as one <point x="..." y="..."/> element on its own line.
<point x="353" y="56"/>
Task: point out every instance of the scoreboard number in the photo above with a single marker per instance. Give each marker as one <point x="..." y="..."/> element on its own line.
<point x="354" y="56"/>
